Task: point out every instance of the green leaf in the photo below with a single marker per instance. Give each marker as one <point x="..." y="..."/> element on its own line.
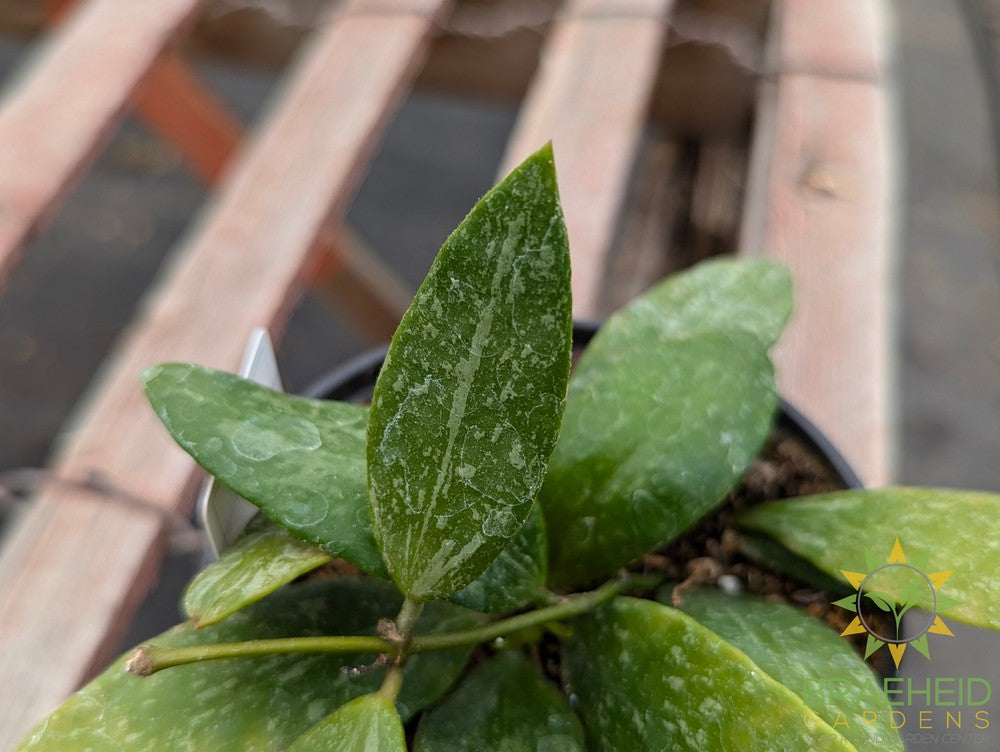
<point x="806" y="656"/>
<point x="254" y="703"/>
<point x="833" y="531"/>
<point x="504" y="705"/>
<point x="516" y="577"/>
<point x="649" y="677"/>
<point x="365" y="724"/>
<point x="467" y="406"/>
<point x="668" y="405"/>
<point x="656" y="432"/>
<point x="301" y="461"/>
<point x="774" y="555"/>
<point x="263" y="558"/>
<point x="718" y="295"/>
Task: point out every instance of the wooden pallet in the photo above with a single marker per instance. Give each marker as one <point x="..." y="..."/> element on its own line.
<point x="818" y="196"/>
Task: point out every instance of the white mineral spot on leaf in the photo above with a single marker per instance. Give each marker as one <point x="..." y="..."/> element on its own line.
<point x="516" y="455"/>
<point x="264" y="437"/>
<point x="310" y="508"/>
<point x="501" y="523"/>
<point x="709" y="706"/>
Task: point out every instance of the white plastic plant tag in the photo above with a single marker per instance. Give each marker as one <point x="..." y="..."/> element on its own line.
<point x="223" y="514"/>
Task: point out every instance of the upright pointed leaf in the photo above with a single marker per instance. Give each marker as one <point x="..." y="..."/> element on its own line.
<point x="648" y="677"/>
<point x="668" y="405"/>
<point x="504" y="705"/>
<point x="301" y="461"/>
<point x="467" y="406"/>
<point x="806" y="656"/>
<point x="958" y="529"/>
<point x="263" y="558"/>
<point x="366" y="724"/>
<point x="516" y="577"/>
<point x="253" y="704"/>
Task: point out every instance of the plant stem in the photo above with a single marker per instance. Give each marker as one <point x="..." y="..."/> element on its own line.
<point x="392" y="683"/>
<point x="405" y="622"/>
<point x="573" y="605"/>
<point x="408" y="616"/>
<point x="148" y="659"/>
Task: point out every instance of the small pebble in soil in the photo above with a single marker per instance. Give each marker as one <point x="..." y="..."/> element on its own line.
<point x="729" y="584"/>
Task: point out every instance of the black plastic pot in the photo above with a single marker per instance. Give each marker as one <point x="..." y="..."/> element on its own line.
<point x="354" y="381"/>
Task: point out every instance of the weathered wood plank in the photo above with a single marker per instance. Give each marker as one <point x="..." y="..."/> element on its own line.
<point x="823" y="206"/>
<point x="76" y="566"/>
<point x="176" y="105"/>
<point x="58" y="114"/>
<point x="833" y="38"/>
<point x="590" y="99"/>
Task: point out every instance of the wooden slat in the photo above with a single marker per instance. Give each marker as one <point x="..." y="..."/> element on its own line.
<point x="59" y="113"/>
<point x="177" y="106"/>
<point x="590" y="99"/>
<point x="76" y="567"/>
<point x="820" y="198"/>
<point x="841" y="38"/>
<point x="825" y="211"/>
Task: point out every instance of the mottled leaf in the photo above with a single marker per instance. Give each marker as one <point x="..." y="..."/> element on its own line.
<point x="649" y="677"/>
<point x="807" y="657"/>
<point x="467" y="406"/>
<point x="263" y="558"/>
<point x="669" y="403"/>
<point x="301" y="461"/>
<point x="516" y="577"/>
<point x="253" y="704"/>
<point x="957" y="530"/>
<point x="718" y="295"/>
<point x="656" y="432"/>
<point x="504" y="705"/>
<point x="365" y="724"/>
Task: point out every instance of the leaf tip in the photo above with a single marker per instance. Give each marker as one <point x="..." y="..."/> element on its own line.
<point x="150" y="374"/>
<point x="543" y="160"/>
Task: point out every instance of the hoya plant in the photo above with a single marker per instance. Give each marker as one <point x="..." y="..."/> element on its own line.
<point x="475" y="531"/>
